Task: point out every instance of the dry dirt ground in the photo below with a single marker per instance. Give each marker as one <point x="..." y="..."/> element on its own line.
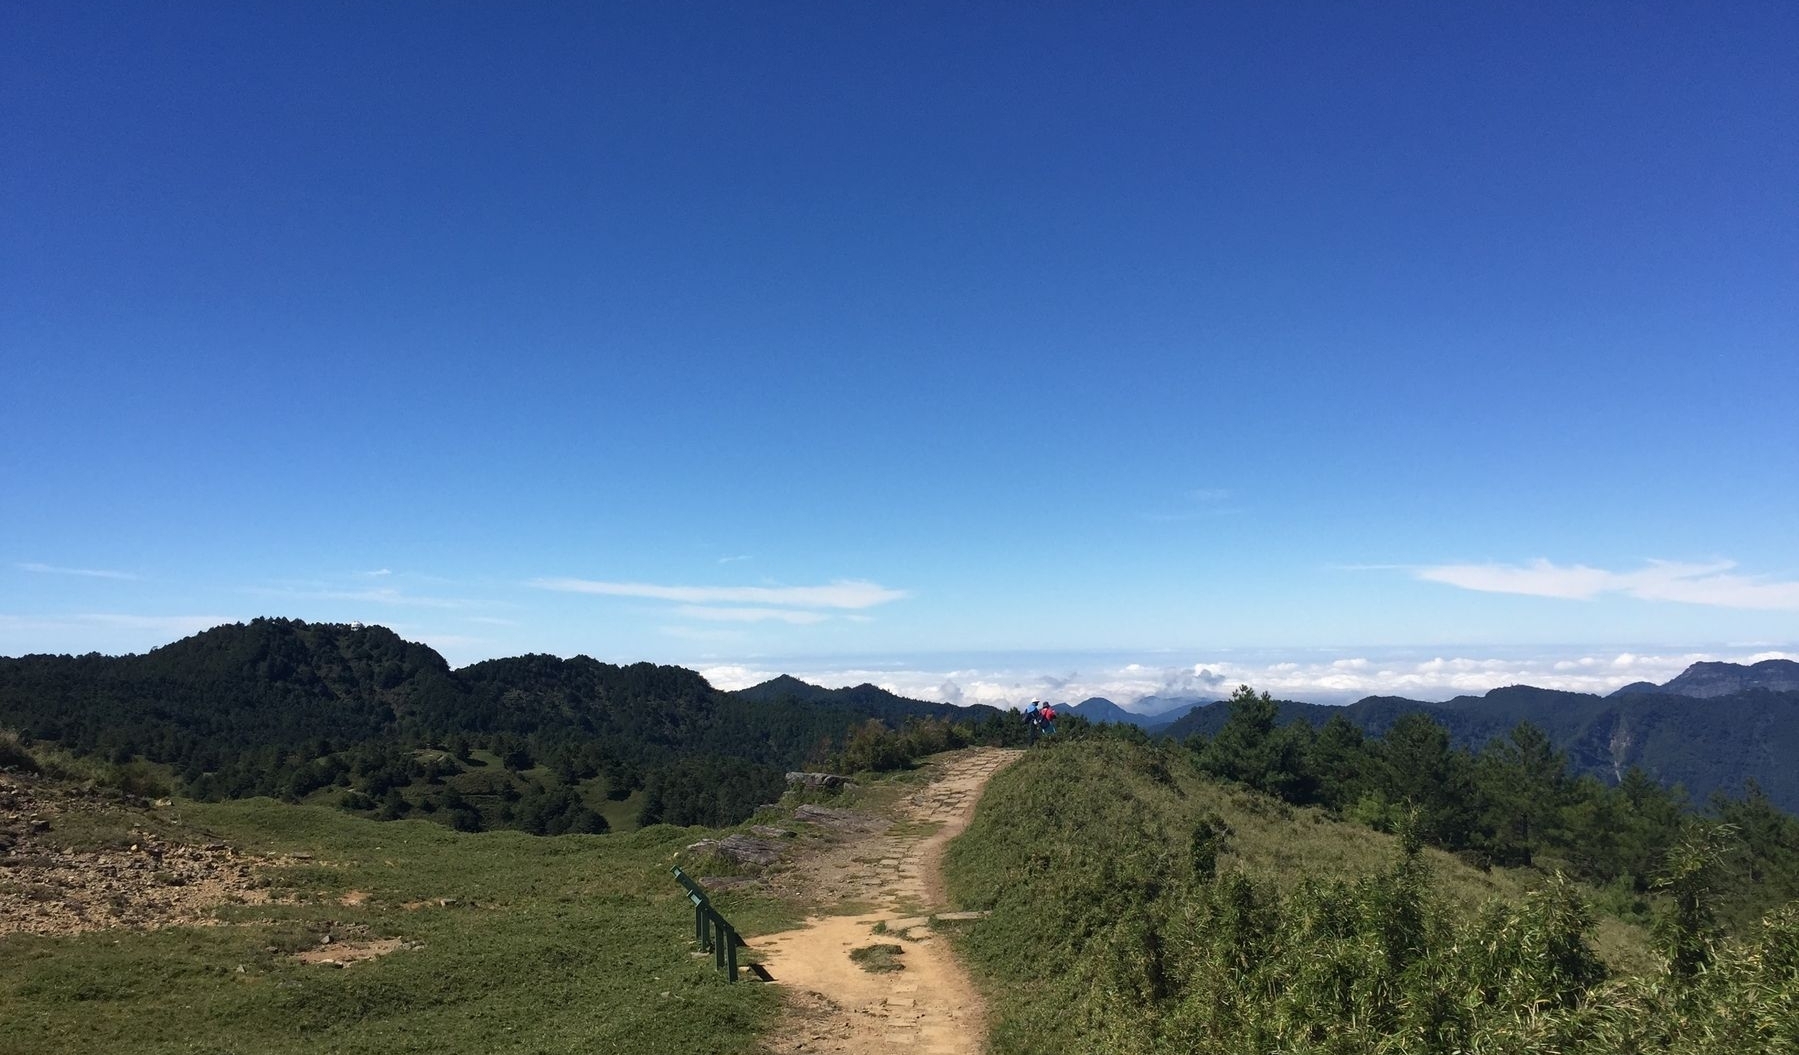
<point x="130" y="873"/>
<point x="883" y="875"/>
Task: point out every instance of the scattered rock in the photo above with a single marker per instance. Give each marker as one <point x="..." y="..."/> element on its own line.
<point x="769" y="831"/>
<point x="52" y="889"/>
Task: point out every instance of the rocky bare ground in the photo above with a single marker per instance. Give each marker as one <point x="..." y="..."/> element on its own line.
<point x="77" y="858"/>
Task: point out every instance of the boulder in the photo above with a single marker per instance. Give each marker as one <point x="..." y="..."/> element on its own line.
<point x="819" y="780"/>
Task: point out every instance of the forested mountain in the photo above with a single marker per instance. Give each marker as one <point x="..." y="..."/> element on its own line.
<point x="871" y="700"/>
<point x="288" y="708"/>
<point x="1100" y="709"/>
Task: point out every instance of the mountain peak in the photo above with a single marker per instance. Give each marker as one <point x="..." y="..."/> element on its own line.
<point x="1705" y="680"/>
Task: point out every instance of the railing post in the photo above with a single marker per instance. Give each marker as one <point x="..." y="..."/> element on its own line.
<point x="711" y="932"/>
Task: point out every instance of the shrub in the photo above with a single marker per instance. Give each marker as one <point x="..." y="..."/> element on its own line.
<point x="13" y="754"/>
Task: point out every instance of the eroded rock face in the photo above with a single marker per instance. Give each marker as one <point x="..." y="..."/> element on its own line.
<point x="1705" y="680"/>
<point x="134" y="879"/>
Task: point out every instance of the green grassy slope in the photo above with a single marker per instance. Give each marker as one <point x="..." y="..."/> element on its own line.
<point x="1113" y="931"/>
<point x="514" y="944"/>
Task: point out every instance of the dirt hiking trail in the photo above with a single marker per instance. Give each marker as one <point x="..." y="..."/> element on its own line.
<point x="928" y="1005"/>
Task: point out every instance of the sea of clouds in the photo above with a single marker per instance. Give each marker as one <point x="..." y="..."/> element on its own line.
<point x="1334" y="677"/>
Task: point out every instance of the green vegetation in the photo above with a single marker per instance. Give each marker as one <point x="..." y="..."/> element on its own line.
<point x="510" y="944"/>
<point x="880" y="958"/>
<point x="1138" y="906"/>
<point x="1513" y="803"/>
<point x="13" y="754"/>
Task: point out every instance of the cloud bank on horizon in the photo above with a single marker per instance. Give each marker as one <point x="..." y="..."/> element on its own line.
<point x="1012" y="683"/>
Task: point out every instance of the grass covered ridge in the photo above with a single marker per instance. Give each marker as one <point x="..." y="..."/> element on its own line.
<point x="1138" y="907"/>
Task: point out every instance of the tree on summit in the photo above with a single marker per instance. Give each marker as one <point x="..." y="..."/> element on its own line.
<point x="1251" y="750"/>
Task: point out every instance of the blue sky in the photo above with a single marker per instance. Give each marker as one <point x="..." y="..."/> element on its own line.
<point x="978" y="349"/>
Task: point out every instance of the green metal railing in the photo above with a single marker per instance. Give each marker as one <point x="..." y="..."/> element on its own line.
<point x="711" y="931"/>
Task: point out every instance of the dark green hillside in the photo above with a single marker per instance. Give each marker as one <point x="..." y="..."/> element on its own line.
<point x="356" y="716"/>
<point x="1137" y="908"/>
<point x="270" y="683"/>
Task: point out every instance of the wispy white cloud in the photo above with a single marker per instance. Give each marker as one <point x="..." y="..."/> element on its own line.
<point x="383" y="595"/>
<point x="1707" y="584"/>
<point x="734" y="559"/>
<point x="711" y="636"/>
<point x="156" y="629"/>
<point x="798" y="617"/>
<point x="91" y="573"/>
<point x="1200" y="503"/>
<point x="844" y="593"/>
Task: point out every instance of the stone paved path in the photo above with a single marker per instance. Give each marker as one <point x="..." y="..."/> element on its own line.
<point x="929" y="1006"/>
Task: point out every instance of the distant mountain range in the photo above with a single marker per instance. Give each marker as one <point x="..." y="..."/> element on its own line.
<point x="1705" y="680"/>
<point x="1159" y="712"/>
<point x="1709" y="730"/>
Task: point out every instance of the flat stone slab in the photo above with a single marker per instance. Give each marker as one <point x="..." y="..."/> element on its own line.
<point x="957" y="916"/>
<point x="744" y="849"/>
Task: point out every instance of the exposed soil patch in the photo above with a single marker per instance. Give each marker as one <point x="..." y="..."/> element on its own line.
<point x="351" y="945"/>
<point x="134" y="869"/>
